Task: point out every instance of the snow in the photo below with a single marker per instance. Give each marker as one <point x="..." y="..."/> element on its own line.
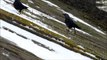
<point x="102" y="2"/>
<point x="7" y="7"/>
<point x="31" y="15"/>
<point x="59" y="53"/>
<point x="81" y="46"/>
<point x="30" y="1"/>
<point x="5" y="54"/>
<point x="42" y="14"/>
<point x="49" y="3"/>
<point x="90" y="54"/>
<point x="83" y="32"/>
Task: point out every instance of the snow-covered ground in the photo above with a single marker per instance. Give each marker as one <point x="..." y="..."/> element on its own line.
<point x="103" y="6"/>
<point x="27" y="44"/>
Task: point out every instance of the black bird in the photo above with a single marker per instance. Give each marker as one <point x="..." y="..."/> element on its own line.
<point x="70" y="23"/>
<point x="19" y="6"/>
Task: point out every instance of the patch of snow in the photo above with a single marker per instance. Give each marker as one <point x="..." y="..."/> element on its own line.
<point x="10" y="1"/>
<point x="7" y="7"/>
<point x="45" y="15"/>
<point x="90" y="54"/>
<point x="98" y="2"/>
<point x="102" y="7"/>
<point x="5" y="54"/>
<point x="30" y="1"/>
<point x="80" y="46"/>
<point x="31" y="15"/>
<point x="49" y="3"/>
<point x="83" y="32"/>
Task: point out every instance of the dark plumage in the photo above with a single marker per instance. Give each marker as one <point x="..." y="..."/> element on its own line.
<point x="69" y="22"/>
<point x="19" y="6"/>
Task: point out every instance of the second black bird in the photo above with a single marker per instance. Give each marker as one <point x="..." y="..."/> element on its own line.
<point x="69" y="22"/>
<point x="19" y="6"/>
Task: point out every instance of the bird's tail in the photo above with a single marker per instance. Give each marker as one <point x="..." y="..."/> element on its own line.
<point x="78" y="27"/>
<point x="25" y="7"/>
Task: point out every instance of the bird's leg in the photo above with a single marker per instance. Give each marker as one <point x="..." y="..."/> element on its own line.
<point x="20" y="11"/>
<point x="74" y="31"/>
<point x="67" y="29"/>
<point x="68" y="32"/>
